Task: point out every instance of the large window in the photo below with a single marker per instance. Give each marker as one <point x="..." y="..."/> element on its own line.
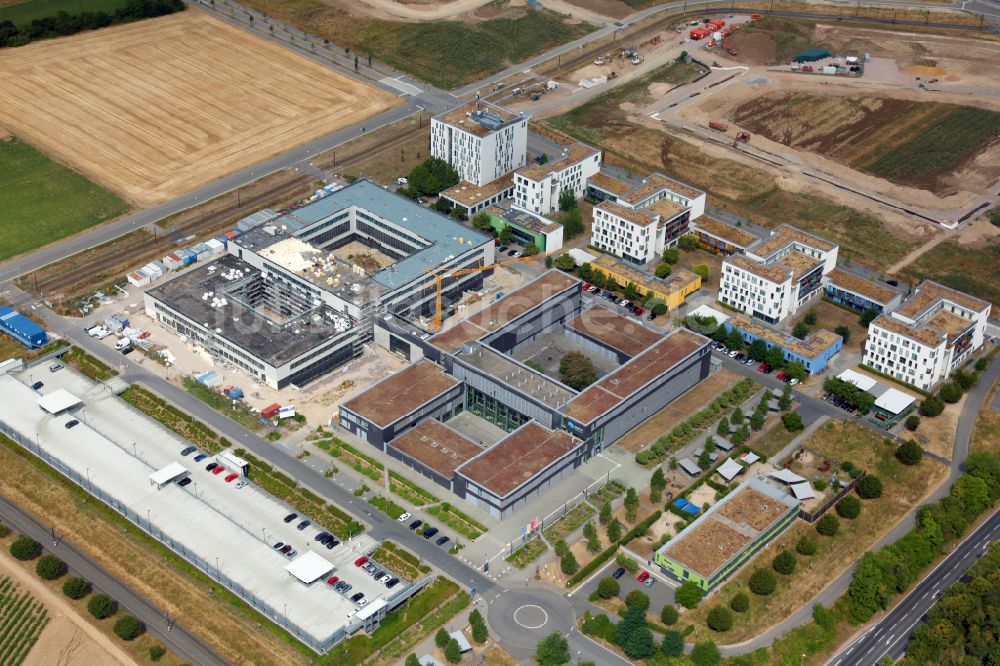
<point x="399" y="346"/>
<point x="493" y="411"/>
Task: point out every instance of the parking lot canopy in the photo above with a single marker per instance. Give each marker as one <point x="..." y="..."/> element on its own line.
<point x="309" y="567"/>
<point x="58" y="401"/>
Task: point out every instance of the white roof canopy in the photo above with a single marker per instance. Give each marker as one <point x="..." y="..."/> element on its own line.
<point x="787" y="476"/>
<point x="58" y="401"/>
<point x="894" y="401"/>
<point x="707" y="311"/>
<point x="730" y="469"/>
<point x="750" y="457"/>
<point x="309" y="567"/>
<point x="863" y="382"/>
<point x="688" y="466"/>
<point x="802" y="491"/>
<point x="171" y="472"/>
<point x="371" y="609"/>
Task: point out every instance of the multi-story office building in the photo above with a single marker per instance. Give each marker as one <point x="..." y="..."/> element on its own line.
<point x="537" y="187"/>
<point x="923" y="340"/>
<point x="481" y="140"/>
<point x="846" y="288"/>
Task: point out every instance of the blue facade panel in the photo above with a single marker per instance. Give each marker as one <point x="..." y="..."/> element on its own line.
<point x="22" y="329"/>
<point x="813" y="364"/>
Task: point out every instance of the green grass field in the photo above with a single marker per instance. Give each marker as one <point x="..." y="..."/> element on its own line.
<point x="43" y="200"/>
<point x="24" y="13"/>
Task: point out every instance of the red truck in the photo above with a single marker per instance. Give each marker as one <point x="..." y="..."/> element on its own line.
<point x="698" y="33"/>
<point x="716" y="125"/>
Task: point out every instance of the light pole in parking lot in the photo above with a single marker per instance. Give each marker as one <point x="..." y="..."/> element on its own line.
<point x="264" y="530"/>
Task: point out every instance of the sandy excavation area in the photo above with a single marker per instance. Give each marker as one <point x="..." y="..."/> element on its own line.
<point x="156" y="108"/>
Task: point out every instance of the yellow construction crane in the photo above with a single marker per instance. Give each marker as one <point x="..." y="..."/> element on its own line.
<point x="440" y="277"/>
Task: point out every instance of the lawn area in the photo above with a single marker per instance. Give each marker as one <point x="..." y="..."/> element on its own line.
<point x="220" y="403"/>
<point x="569" y="521"/>
<point x="445" y="53"/>
<point x="402" y="562"/>
<point x="904" y="488"/>
<point x="23" y="13"/>
<point x="87" y="365"/>
<point x="44" y="200"/>
<point x="830" y="316"/>
<point x="458" y="521"/>
<point x="972" y="270"/>
<point x="386" y="166"/>
<point x="522" y="557"/>
<point x="986" y="434"/>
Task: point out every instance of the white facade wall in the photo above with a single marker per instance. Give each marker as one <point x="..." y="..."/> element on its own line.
<point x="542" y="196"/>
<point x="480" y="159"/>
<point x="624" y="238"/>
<point x="750" y="293"/>
<point x="905" y="359"/>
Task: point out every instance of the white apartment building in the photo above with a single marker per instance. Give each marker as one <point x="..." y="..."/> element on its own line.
<point x="928" y="336"/>
<point x="778" y="274"/>
<point x="537" y="187"/>
<point x="482" y="141"/>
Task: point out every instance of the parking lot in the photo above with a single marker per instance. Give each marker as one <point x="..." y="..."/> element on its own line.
<point x="226" y="530"/>
<point x="660" y="592"/>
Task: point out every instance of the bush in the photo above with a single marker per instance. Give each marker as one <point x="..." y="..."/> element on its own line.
<point x="705" y="654"/>
<point x="568" y="564"/>
<point x="479" y="631"/>
<point x="157" y="652"/>
<point x="869" y="487"/>
<point x="740" y="602"/>
<point x="720" y="618"/>
<point x="806" y="546"/>
<point x="50" y="567"/>
<point x="824" y="617"/>
<point x="784" y="563"/>
<point x="25" y="548"/>
<point x="637" y="599"/>
<point x="673" y="643"/>
<point x="76" y="588"/>
<point x="828" y="525"/>
<point x="669" y="615"/>
<point x="701" y="270"/>
<point x="441" y="638"/>
<point x="128" y="627"/>
<point x="931" y="406"/>
<point x="912" y="422"/>
<point x="763" y="582"/>
<point x="909" y="452"/>
<point x="792" y="421"/>
<point x="688" y="594"/>
<point x="101" y="606"/>
<point x="951" y="392"/>
<point x="607" y="588"/>
<point x="849" y="507"/>
<point x="452" y="652"/>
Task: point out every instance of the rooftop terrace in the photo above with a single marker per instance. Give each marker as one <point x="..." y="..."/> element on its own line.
<point x="469" y="194"/>
<point x="930" y="337"/>
<point x="784" y="235"/>
<point x="773" y="273"/>
<point x="811" y="347"/>
<point x="849" y="282"/>
<point x="524" y="219"/>
<point x="518" y="458"/>
<point x="398" y="395"/>
<point x="467" y="117"/>
<point x="609" y="183"/>
<point x="929" y="294"/>
<point x="726" y="232"/>
<point x="641" y="216"/>
<point x="574" y="153"/>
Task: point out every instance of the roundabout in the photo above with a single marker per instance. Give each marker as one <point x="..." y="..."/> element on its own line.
<point x="521" y="617"/>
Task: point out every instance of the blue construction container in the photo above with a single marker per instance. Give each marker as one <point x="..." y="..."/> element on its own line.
<point x="22" y="329"/>
<point x="235" y="392"/>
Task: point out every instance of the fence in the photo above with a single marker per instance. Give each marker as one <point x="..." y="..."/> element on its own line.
<point x="815" y="515"/>
<point x="556" y="515"/>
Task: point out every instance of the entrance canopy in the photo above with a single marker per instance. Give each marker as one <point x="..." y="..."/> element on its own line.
<point x="58" y="401"/>
<point x="172" y="472"/>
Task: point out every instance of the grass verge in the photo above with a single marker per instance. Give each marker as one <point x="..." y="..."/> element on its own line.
<point x="458" y="521"/>
<point x="234" y="409"/>
<point x="402" y="562"/>
<point x="173" y="418"/>
<point x="528" y="553"/>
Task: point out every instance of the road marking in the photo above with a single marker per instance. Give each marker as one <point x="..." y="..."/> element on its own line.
<point x="888" y="640"/>
<point x="545" y="617"/>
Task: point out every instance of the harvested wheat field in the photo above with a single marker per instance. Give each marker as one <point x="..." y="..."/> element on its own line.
<point x="156" y="108"/>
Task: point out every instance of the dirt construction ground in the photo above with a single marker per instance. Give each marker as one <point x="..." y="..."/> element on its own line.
<point x="156" y="108"/>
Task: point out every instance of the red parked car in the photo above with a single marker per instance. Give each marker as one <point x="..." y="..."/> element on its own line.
<point x="638" y="311"/>
<point x="642" y="577"/>
<point x="361" y="560"/>
<point x="218" y="470"/>
<point x="333" y="580"/>
<point x="231" y="477"/>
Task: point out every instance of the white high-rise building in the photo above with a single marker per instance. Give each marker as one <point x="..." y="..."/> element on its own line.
<point x="482" y="141"/>
<point x="923" y="340"/>
<point x="537" y="187"/>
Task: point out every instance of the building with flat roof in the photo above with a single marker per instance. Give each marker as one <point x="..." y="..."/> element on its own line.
<point x="929" y="335"/>
<point x="732" y="531"/>
<point x="473" y="198"/>
<point x="814" y="352"/>
<point x="283" y="307"/>
<point x="777" y="274"/>
<point x="552" y="428"/>
<point x="481" y="140"/>
<point x="721" y="237"/>
<point x="537" y="187"/>
<point x="672" y="290"/>
<point x="845" y="288"/>
<point x="528" y="228"/>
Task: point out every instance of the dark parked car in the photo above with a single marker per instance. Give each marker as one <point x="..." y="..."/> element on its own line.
<point x="279" y="545"/>
<point x="290" y="517"/>
<point x="357" y="596"/>
<point x="392" y="582"/>
<point x="37" y="385"/>
<point x="415" y="524"/>
<point x="321" y="537"/>
<point x="431" y="532"/>
<point x="188" y="451"/>
<point x="287" y="548"/>
<point x="200" y="457"/>
<point x="619" y="573"/>
<point x="442" y="541"/>
<point x="212" y="465"/>
<point x="72" y="423"/>
<point x="127" y="351"/>
<point x="304" y="524"/>
<point x="183" y="482"/>
<point x="331" y="544"/>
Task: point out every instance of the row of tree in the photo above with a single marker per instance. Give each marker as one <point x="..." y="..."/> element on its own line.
<point x="64" y="23"/>
<point x="758" y="350"/>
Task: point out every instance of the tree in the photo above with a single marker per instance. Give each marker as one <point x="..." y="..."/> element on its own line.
<point x="673" y="643"/>
<point x="565" y="262"/>
<point x="869" y="487"/>
<point x="572" y="223"/>
<point x="481" y="221"/>
<point x="567" y="200"/>
<point x="868" y="316"/>
<point x="784" y="563"/>
<point x="576" y="370"/>
<point x="912" y="422"/>
<point x="441" y="638"/>
<point x="762" y="582"/>
<point x="774" y="357"/>
<point x="412" y="660"/>
<point x="657" y="484"/>
<point x="688" y="594"/>
<point x="701" y="270"/>
<point x="76" y="588"/>
<point x="757" y="350"/>
<point x="659" y="308"/>
<point x="740" y="602"/>
<point x="531" y="249"/>
<point x="49" y="567"/>
<point x="810" y="318"/>
<point x="843" y="332"/>
<point x="951" y="392"/>
<point x="101" y="606"/>
<point x="157" y="652"/>
<point x="631" y="292"/>
<point x="785" y="401"/>
<point x="444" y="206"/>
<point x="800" y="330"/>
<point x="723" y="428"/>
<point x="505" y="235"/>
<point x="757" y="419"/>
<point x="806" y="546"/>
<point x="823" y="616"/>
<point x="669" y="615"/>
<point x="25" y="548"/>
<point x="705" y="654"/>
<point x="688" y="242"/>
<point x="592" y="537"/>
<point x="605" y="515"/>
<point x="828" y="525"/>
<point x="720" y="618"/>
<point x="671" y="255"/>
<point x="632" y="619"/>
<point x="909" y="452"/>
<point x="568" y="563"/>
<point x="543" y="158"/>
<point x="614" y="530"/>
<point x="662" y="270"/>
<point x="637" y="599"/>
<point x="553" y="650"/>
<point x="478" y="624"/>
<point x="931" y="406"/>
<point x="452" y="652"/>
<point x="705" y="460"/>
<point x="849" y="507"/>
<point x="797" y="370"/>
<point x="608" y="588"/>
<point x="631" y="504"/>
<point x="128" y="627"/>
<point x="792" y="421"/>
<point x="561" y="547"/>
<point x="640" y="643"/>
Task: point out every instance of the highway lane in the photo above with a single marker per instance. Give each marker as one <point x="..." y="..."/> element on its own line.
<point x="892" y="632"/>
<point x="181" y="641"/>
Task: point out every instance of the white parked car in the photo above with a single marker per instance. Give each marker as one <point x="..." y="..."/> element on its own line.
<point x="404" y="517"/>
<point x="793" y="381"/>
<point x="402" y="181"/>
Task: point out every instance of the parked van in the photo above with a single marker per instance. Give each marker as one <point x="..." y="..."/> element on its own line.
<point x="122" y="343"/>
<point x="101" y="333"/>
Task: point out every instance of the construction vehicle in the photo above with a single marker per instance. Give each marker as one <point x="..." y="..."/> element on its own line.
<point x="719" y="127"/>
<point x="741" y="137"/>
<point x="600" y="61"/>
<point x="733" y="52"/>
<point x="755" y="17"/>
<point x="439" y="278"/>
<point x="716" y="63"/>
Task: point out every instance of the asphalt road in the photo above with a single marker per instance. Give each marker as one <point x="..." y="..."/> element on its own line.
<point x="891" y="634"/>
<point x="181" y="641"/>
